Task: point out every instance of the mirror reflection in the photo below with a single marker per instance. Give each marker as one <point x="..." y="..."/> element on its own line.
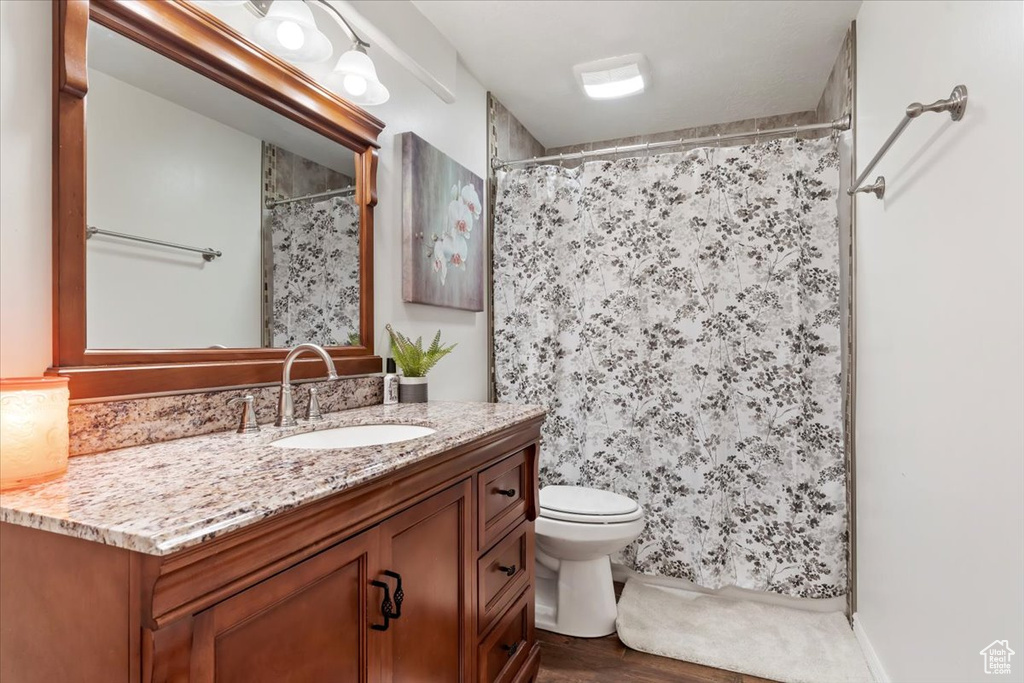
<point x="213" y="221"/>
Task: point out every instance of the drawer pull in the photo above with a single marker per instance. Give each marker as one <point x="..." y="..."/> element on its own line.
<point x="513" y="648"/>
<point x="509" y="571"/>
<point x="399" y="594"/>
<point x="511" y="493"/>
<point x="386" y="607"/>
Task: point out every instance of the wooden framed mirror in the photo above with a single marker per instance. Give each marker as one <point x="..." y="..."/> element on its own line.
<point x="169" y="274"/>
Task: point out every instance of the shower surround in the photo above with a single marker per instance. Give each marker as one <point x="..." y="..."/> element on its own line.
<point x="679" y="316"/>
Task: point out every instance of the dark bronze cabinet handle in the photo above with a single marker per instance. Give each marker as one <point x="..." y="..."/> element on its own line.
<point x="506" y="492"/>
<point x="512" y="649"/>
<point x="386" y="608"/>
<point x="509" y="571"/>
<point x="399" y="593"/>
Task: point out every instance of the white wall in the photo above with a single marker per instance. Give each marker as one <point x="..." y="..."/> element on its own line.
<point x="460" y="131"/>
<point x="159" y="170"/>
<point x="25" y="83"/>
<point x="457" y="129"/>
<point x="940" y="286"/>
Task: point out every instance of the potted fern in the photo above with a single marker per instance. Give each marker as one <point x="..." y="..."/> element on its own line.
<point x="415" y="362"/>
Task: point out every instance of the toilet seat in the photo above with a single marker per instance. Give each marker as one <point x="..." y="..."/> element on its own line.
<point x="583" y="505"/>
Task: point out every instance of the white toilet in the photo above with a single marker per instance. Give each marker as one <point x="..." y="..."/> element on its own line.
<point x="577" y="530"/>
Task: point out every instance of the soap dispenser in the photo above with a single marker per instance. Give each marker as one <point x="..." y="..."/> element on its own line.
<point x="390" y="382"/>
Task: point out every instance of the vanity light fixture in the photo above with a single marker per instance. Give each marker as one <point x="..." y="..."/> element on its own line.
<point x="607" y="79"/>
<point x="355" y="78"/>
<point x="288" y="29"/>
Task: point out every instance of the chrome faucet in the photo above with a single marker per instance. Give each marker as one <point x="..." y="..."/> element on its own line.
<point x="285" y="405"/>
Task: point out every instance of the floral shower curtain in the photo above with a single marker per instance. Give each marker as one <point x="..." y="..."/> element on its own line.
<point x="679" y="316"/>
<point x="314" y="275"/>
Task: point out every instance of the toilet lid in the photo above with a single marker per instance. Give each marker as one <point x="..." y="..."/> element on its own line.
<point x="581" y="504"/>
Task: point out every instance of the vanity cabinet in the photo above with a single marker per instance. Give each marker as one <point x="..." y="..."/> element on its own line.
<point x="310" y="622"/>
<point x="307" y="623"/>
<point x="427" y="546"/>
<point x="300" y="596"/>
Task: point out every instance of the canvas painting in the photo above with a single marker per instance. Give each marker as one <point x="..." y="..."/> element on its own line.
<point x="443" y="229"/>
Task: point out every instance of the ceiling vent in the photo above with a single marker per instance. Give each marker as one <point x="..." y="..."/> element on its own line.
<point x="608" y="79"/>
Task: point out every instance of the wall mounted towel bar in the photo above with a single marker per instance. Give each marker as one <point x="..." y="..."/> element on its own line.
<point x="208" y="254"/>
<point x="955" y="104"/>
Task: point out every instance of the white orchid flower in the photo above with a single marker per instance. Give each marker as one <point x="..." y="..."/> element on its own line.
<point x="457" y="249"/>
<point x="472" y="200"/>
<point x="440" y="263"/>
<point x="460" y="218"/>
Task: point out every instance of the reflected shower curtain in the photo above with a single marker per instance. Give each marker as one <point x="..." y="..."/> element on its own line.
<point x="679" y="317"/>
<point x="314" y="276"/>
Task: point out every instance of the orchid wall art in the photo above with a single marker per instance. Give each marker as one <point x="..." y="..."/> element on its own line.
<point x="443" y="254"/>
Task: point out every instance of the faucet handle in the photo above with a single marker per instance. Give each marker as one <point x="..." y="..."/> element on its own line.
<point x="314" y="414"/>
<point x="247" y="424"/>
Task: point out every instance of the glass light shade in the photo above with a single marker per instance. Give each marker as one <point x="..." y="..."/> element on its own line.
<point x="290" y="32"/>
<point x="33" y="430"/>
<point x="355" y="78"/>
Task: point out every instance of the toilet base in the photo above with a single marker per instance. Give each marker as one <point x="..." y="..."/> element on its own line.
<point x="579" y="601"/>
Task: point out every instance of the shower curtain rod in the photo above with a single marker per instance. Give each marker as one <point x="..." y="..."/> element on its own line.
<point x="840" y="124"/>
<point x="271" y="203"/>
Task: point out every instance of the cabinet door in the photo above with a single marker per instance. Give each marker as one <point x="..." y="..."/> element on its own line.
<point x="429" y="547"/>
<point x="309" y="624"/>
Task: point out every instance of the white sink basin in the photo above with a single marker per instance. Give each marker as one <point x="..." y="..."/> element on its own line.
<point x="352" y="437"/>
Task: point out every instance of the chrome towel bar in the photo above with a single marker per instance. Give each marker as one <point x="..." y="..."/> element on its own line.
<point x="955" y="104"/>
<point x="208" y="254"/>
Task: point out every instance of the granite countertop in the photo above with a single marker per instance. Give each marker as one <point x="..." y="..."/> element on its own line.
<point x="161" y="498"/>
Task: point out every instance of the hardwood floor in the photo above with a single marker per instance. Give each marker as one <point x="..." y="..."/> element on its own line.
<point x="607" y="660"/>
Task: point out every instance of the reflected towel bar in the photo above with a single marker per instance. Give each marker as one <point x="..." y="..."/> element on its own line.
<point x="955" y="104"/>
<point x="271" y="203"/>
<point x="208" y="254"/>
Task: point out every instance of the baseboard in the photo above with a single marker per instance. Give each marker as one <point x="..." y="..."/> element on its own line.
<point x="874" y="663"/>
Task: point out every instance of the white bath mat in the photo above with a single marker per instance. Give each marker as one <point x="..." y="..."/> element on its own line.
<point x="773" y="642"/>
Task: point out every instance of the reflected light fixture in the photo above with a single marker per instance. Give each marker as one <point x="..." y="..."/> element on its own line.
<point x="608" y="79"/>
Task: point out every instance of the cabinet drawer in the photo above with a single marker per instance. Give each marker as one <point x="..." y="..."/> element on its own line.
<point x="505" y="649"/>
<point x="503" y="573"/>
<point x="502" y="491"/>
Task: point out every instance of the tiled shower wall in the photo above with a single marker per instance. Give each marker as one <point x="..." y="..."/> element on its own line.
<point x="286" y="174"/>
<point x="838" y="100"/>
<point x="507" y="139"/>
